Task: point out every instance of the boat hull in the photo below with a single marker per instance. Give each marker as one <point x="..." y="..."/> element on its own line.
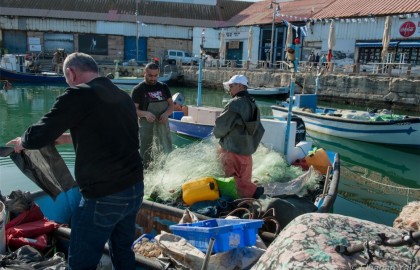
<point x="153" y="217"/>
<point x="269" y="91"/>
<point x="12" y="76"/>
<point x="132" y="81"/>
<point x="194" y="130"/>
<point x="404" y="132"/>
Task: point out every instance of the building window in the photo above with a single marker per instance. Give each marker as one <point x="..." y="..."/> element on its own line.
<point x="370" y="55"/>
<point x="408" y="56"/>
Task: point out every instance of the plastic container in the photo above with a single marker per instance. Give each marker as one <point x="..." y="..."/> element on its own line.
<point x="203" y="189"/>
<point x="147" y="248"/>
<point x="2" y="228"/>
<point x="140" y="239"/>
<point x="228" y="233"/>
<point x="177" y="115"/>
<point x="319" y="160"/>
<point x="227" y="187"/>
<point x="187" y="119"/>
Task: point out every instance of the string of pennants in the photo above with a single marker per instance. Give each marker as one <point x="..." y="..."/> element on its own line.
<point x="343" y="20"/>
<point x="303" y="30"/>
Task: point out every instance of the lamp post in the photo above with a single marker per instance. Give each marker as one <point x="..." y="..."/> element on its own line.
<point x="275" y="10"/>
<point x="137" y="37"/>
<point x="200" y="67"/>
<point x="137" y="31"/>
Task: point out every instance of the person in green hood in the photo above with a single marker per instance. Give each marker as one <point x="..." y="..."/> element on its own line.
<point x="239" y="131"/>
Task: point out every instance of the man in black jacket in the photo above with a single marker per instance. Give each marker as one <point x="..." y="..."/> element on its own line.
<point x="108" y="168"/>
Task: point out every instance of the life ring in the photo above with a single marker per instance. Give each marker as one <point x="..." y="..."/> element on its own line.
<point x="110" y="76"/>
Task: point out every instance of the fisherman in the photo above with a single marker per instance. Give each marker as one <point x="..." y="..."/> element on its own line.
<point x="239" y="131"/>
<point x="179" y="101"/>
<point x="154" y="105"/>
<point x="108" y="167"/>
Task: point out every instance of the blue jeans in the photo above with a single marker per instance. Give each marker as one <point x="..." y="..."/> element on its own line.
<point x="106" y="219"/>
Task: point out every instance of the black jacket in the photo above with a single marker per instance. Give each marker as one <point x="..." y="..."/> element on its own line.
<point x="103" y="124"/>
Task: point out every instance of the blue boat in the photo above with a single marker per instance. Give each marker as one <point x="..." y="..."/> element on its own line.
<point x="200" y="121"/>
<point x="194" y="130"/>
<point x="22" y="77"/>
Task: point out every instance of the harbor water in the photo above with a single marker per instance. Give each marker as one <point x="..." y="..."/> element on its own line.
<point x="376" y="180"/>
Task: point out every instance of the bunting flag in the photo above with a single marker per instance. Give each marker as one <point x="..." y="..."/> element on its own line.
<point x="343" y="20"/>
<point x="303" y="31"/>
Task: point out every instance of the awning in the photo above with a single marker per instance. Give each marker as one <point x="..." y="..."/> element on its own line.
<point x="409" y="44"/>
<point x="362" y="44"/>
<point x="395" y="43"/>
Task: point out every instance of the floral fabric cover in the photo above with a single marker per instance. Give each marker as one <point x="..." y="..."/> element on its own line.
<point x="308" y="242"/>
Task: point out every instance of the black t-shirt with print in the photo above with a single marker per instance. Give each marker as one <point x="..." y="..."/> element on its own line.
<point x="143" y="94"/>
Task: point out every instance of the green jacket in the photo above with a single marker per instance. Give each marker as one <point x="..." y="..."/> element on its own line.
<point x="239" y="127"/>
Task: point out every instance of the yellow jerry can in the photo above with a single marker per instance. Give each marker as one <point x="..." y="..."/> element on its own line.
<point x="203" y="189"/>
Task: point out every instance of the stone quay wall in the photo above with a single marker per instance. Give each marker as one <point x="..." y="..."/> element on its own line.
<point x="372" y="91"/>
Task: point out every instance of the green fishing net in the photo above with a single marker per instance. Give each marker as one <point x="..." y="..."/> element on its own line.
<point x="164" y="178"/>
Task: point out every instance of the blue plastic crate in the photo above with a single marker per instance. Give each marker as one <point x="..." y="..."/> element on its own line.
<point x="228" y="233"/>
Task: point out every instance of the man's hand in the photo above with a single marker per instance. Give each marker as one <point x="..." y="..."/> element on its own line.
<point x="150" y="117"/>
<point x="17" y="142"/>
<point x="163" y="118"/>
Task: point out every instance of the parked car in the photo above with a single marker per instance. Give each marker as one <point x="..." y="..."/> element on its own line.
<point x="174" y="56"/>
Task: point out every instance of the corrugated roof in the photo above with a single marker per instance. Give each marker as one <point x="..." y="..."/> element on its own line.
<point x="365" y="8"/>
<point x="124" y="10"/>
<point x="259" y="12"/>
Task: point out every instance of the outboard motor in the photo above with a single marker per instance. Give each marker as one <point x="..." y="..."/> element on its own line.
<point x="300" y="129"/>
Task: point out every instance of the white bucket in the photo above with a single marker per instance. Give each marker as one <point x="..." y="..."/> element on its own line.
<point x="2" y="228"/>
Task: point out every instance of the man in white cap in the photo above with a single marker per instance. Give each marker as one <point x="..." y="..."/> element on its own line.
<point x="240" y="131"/>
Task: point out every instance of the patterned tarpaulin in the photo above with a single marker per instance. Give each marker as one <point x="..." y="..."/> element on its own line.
<point x="309" y="241"/>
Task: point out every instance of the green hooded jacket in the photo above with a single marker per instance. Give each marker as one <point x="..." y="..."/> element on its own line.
<point x="239" y="127"/>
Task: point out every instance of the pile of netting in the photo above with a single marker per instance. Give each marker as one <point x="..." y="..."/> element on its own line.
<point x="164" y="178"/>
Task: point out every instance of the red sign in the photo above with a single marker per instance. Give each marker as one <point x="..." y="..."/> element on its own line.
<point x="407" y="29"/>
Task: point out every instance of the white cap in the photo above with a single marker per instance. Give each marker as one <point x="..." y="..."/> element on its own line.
<point x="178" y="98"/>
<point x="241" y="79"/>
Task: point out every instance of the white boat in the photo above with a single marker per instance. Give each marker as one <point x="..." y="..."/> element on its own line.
<point x="132" y="81"/>
<point x="268" y="91"/>
<point x="376" y="127"/>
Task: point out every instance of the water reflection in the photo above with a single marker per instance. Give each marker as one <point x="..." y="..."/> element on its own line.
<point x="373" y="177"/>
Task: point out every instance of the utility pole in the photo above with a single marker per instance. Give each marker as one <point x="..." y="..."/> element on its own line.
<point x="137" y="31"/>
<point x="275" y="10"/>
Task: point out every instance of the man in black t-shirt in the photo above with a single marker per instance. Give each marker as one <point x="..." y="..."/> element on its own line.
<point x="154" y="105"/>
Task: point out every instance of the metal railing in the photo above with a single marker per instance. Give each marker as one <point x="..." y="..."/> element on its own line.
<point x="333" y="67"/>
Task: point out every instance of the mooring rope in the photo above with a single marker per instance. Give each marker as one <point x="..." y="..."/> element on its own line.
<point x="382" y="184"/>
<point x="409" y="191"/>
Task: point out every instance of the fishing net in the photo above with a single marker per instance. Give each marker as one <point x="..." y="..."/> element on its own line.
<point x="199" y="159"/>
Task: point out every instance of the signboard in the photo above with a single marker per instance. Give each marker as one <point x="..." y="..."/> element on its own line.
<point x="236" y="35"/>
<point x="234" y="44"/>
<point x="93" y="44"/>
<point x="34" y="41"/>
<point x="35" y="47"/>
<point x="409" y="28"/>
